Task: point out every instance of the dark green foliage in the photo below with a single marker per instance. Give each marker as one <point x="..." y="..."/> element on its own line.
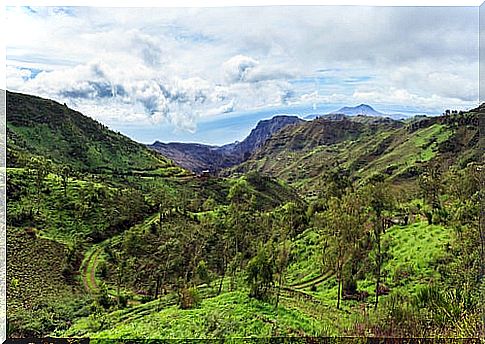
<point x="260" y="273"/>
<point x="381" y="203"/>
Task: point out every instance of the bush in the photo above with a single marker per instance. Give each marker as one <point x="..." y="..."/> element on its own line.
<point x="349" y="286"/>
<point x="203" y="272"/>
<point x="103" y="299"/>
<point x="123" y="300"/>
<point x="103" y="269"/>
<point x="146" y="298"/>
<point x="188" y="298"/>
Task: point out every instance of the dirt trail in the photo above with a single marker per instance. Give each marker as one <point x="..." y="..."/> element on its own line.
<point x="89" y="274"/>
<point x="313" y="281"/>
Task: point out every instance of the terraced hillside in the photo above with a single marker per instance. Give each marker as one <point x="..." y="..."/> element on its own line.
<point x="364" y="146"/>
<point x="40" y="293"/>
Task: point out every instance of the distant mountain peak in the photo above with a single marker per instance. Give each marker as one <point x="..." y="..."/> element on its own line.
<point x="355" y="111"/>
<point x="362" y="109"/>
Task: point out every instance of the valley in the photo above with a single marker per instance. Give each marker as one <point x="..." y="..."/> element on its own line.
<point x="342" y="225"/>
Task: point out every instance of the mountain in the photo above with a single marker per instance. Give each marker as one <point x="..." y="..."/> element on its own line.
<point x="366" y="145"/>
<point x="43" y="127"/>
<point x="362" y="109"/>
<point x="72" y="183"/>
<point x="103" y="252"/>
<point x="261" y="133"/>
<point x="198" y="157"/>
<point x="359" y="110"/>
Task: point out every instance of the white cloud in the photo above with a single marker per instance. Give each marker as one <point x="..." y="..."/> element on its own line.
<point x="237" y="68"/>
<point x="16" y="77"/>
<point x="180" y="65"/>
<point x="399" y="96"/>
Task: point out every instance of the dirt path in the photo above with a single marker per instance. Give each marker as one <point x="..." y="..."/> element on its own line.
<point x="89" y="271"/>
<point x="313" y="281"/>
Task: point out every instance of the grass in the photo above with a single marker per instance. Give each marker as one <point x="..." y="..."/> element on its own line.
<point x="231" y="314"/>
<point x="306" y="263"/>
<point x="415" y="250"/>
<point x="407" y="150"/>
<point x="40" y="298"/>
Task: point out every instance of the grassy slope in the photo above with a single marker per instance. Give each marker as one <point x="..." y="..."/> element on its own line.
<point x="414" y="249"/>
<point x="37" y="126"/>
<point x="231" y="314"/>
<point x="40" y="297"/>
<point x="407" y="151"/>
<point x="35" y="268"/>
<point x="399" y="152"/>
<point x="58" y="217"/>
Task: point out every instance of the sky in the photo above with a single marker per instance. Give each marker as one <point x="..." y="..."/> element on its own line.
<point x="209" y="74"/>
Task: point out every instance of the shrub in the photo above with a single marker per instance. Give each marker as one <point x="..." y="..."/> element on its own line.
<point x="188" y="298"/>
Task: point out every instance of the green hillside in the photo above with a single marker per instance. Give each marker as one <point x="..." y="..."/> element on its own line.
<point x="344" y="227"/>
<point x="42" y="127"/>
<point x="401" y="151"/>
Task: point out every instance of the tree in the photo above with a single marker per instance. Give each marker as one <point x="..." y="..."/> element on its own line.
<point x="292" y="217"/>
<point x="209" y="204"/>
<point x="203" y="272"/>
<point x="240" y="198"/>
<point x="282" y="257"/>
<point x="39" y="167"/>
<point x="380" y="200"/>
<point x="289" y="218"/>
<point x="337" y="183"/>
<point x="164" y="202"/>
<point x="120" y="274"/>
<point x="65" y="173"/>
<point x="183" y="201"/>
<point x="466" y="267"/>
<point x="260" y="272"/>
<point x="343" y="228"/>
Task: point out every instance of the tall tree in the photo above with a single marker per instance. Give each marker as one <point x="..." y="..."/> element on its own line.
<point x="240" y="203"/>
<point x="343" y="228"/>
<point x="260" y="272"/>
<point x="65" y="173"/>
<point x="380" y="200"/>
<point x="39" y="167"/>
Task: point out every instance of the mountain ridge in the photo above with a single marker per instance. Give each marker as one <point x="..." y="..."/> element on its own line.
<point x="39" y="127"/>
<point x="199" y="157"/>
<point x="363" y="146"/>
